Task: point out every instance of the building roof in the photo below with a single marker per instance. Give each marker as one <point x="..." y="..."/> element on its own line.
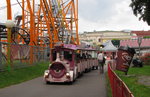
<point x="95" y="32"/>
<point x="134" y="43"/>
<point x="142" y="33"/>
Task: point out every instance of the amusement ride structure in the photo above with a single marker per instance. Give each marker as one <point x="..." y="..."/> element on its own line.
<point x="41" y="24"/>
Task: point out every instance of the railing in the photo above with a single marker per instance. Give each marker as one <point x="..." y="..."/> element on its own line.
<point x="118" y="87"/>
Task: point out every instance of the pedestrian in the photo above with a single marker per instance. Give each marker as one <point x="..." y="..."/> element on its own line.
<point x="101" y="61"/>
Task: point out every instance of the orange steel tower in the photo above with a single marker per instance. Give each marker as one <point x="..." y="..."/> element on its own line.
<point x="48" y="21"/>
<point x="45" y="23"/>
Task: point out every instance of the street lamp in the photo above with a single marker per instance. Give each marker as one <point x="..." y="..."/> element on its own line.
<point x="139" y="43"/>
<point x="9" y="24"/>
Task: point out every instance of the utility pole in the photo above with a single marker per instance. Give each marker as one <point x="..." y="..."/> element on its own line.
<point x="9" y="24"/>
<point x="139" y="42"/>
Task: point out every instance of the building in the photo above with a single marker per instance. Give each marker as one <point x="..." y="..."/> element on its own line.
<point x="99" y="37"/>
<point x="142" y="34"/>
<point x="133" y="43"/>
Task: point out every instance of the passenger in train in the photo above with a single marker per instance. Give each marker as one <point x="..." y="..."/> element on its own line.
<point x="83" y="55"/>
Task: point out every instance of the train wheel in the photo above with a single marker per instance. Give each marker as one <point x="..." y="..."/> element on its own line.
<point x="47" y="82"/>
<point x="74" y="78"/>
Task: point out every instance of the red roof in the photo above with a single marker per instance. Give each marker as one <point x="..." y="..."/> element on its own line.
<point x="134" y="43"/>
<point x="142" y="33"/>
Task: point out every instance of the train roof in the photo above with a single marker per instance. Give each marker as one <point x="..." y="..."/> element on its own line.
<point x="74" y="47"/>
<point x="71" y="46"/>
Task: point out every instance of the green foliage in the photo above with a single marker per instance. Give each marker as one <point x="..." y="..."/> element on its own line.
<point x="138" y="90"/>
<point x="146" y="59"/>
<point x="146" y="37"/>
<point x="109" y="91"/>
<point x="142" y="8"/>
<point x="20" y="75"/>
<point x="115" y="42"/>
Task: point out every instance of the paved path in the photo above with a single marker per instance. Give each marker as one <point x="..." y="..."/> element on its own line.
<point x="91" y="84"/>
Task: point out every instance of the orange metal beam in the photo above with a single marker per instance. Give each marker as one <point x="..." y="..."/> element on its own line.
<point x="50" y="16"/>
<point x="48" y="24"/>
<point x="9" y="13"/>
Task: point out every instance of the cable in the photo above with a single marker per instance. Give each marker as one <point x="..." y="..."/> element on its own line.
<point x="21" y="5"/>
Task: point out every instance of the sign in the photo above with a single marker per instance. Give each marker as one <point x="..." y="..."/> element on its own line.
<point x="123" y="60"/>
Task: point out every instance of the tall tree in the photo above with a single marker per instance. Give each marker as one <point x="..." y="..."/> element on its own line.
<point x="141" y="8"/>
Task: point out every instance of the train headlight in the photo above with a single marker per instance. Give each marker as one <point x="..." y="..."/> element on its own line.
<point x="46" y="73"/>
<point x="67" y="74"/>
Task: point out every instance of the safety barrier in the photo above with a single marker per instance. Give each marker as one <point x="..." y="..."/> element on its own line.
<point x="118" y="87"/>
<point x="22" y="55"/>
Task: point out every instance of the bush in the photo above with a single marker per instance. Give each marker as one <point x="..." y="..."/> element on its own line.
<point x="146" y="59"/>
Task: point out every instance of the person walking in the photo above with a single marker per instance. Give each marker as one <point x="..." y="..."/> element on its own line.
<point x="101" y="61"/>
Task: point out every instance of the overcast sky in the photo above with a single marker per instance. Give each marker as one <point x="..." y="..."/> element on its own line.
<point x="99" y="15"/>
<point x="108" y="15"/>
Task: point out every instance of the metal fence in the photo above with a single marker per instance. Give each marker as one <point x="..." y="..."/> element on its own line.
<point x="22" y="55"/>
<point x="118" y="87"/>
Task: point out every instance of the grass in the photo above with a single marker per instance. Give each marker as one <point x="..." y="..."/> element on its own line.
<point x="20" y="75"/>
<point x="138" y="90"/>
<point x="109" y="93"/>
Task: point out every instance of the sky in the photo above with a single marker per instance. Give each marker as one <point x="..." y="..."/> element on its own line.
<point x="99" y="15"/>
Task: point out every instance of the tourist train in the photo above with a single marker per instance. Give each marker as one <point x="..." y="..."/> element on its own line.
<point x="68" y="62"/>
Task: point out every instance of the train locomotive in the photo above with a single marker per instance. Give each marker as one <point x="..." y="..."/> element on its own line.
<point x="68" y="62"/>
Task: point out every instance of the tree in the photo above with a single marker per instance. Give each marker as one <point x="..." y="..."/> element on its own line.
<point x="141" y="8"/>
<point x="116" y="42"/>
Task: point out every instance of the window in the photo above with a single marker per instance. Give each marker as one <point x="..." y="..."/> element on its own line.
<point x="68" y="55"/>
<point x="99" y="40"/>
<point x="53" y="55"/>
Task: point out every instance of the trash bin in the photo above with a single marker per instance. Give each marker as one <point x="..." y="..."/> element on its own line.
<point x="124" y="58"/>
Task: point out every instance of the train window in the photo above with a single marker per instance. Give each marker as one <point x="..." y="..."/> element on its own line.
<point x="93" y="54"/>
<point x="68" y="55"/>
<point x="78" y="57"/>
<point x="53" y="55"/>
<point x="61" y="55"/>
<point x="83" y="55"/>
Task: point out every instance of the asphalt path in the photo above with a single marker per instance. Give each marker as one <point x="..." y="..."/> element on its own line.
<point x="91" y="84"/>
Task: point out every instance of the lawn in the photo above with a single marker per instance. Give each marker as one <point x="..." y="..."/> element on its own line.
<point x="132" y="80"/>
<point x="12" y="77"/>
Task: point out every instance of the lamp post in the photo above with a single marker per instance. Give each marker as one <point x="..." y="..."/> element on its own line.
<point x="139" y="43"/>
<point x="9" y="24"/>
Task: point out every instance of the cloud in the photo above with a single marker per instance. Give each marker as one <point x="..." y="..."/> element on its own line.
<point x="94" y="10"/>
<point x="108" y="15"/>
<point x="3" y="12"/>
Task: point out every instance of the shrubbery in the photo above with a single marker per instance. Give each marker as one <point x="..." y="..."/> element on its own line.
<point x="146" y="59"/>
